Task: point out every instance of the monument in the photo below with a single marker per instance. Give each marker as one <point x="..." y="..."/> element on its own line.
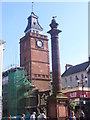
<point x="57" y="102"/>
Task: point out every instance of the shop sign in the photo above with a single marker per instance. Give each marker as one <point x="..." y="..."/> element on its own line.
<point x="73" y="94"/>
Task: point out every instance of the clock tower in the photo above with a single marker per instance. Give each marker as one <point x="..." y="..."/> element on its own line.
<point x="34" y="54"/>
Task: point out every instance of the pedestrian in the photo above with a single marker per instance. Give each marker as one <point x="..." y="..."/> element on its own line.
<point x="77" y="115"/>
<point x="42" y="116"/>
<point x="23" y="117"/>
<point x="33" y="116"/>
<point x="82" y="115"/>
<point x="38" y="118"/>
<point x="72" y="116"/>
<point x="9" y="118"/>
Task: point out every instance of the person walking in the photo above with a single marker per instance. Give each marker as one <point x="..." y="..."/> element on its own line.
<point x="23" y="117"/>
<point x="82" y="115"/>
<point x="9" y="118"/>
<point x="42" y="116"/>
<point x="77" y="115"/>
<point x="72" y="117"/>
<point x="33" y="116"/>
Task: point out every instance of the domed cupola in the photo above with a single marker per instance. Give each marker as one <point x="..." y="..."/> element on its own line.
<point x="33" y="24"/>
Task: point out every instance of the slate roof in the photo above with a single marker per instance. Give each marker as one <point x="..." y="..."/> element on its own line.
<point x="76" y="69"/>
<point x="30" y="25"/>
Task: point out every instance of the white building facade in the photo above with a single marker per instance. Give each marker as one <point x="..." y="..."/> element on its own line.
<point x="76" y="86"/>
<point x="1" y="60"/>
<point x="74" y="74"/>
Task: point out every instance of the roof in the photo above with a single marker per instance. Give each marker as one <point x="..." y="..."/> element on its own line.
<point x="76" y="69"/>
<point x="30" y="25"/>
<point x="13" y="69"/>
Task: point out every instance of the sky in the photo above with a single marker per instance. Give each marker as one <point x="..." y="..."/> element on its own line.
<point x="72" y="18"/>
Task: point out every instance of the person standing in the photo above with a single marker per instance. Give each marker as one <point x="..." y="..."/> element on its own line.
<point x="82" y="115"/>
<point x="9" y="118"/>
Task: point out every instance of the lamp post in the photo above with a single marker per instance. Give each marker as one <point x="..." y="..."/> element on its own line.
<point x="83" y="81"/>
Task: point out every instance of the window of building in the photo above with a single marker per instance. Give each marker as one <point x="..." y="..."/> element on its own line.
<point x="33" y="31"/>
<point x="35" y="75"/>
<point x="66" y="80"/>
<point x="43" y="76"/>
<point x="37" y="32"/>
<point x="76" y="78"/>
<point x="46" y="76"/>
<point x="81" y="76"/>
<point x="34" y="23"/>
<point x="70" y="78"/>
<point x="39" y="75"/>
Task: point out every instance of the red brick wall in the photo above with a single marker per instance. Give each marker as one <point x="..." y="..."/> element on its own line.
<point x="36" y="60"/>
<point x="42" y="84"/>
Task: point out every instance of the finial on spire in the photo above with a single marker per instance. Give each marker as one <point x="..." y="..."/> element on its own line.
<point x="32" y="6"/>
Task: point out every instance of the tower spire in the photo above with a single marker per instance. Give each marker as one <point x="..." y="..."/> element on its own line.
<point x="33" y="24"/>
<point x="32" y="6"/>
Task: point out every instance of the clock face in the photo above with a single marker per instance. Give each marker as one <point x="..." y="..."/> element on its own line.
<point x="39" y="43"/>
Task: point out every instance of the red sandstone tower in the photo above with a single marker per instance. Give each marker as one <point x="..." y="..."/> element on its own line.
<point x="57" y="102"/>
<point x="34" y="54"/>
